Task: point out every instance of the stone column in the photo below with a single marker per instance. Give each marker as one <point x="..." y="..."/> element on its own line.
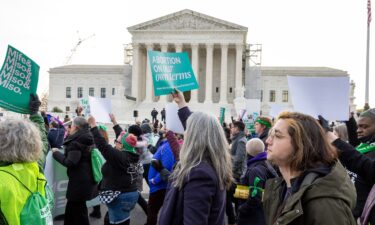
<point x="238" y="79"/>
<point x="195" y="66"/>
<point x="209" y="64"/>
<point x="163" y="98"/>
<point x="135" y="72"/>
<point x="224" y="74"/>
<point x="178" y="47"/>
<point x="149" y="84"/>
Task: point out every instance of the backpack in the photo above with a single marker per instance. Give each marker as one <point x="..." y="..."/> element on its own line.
<point x="97" y="161"/>
<point x="37" y="209"/>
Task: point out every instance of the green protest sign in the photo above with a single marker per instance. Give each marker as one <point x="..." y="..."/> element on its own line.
<point x="171" y="70"/>
<point x="222" y="115"/>
<point x="18" y="79"/>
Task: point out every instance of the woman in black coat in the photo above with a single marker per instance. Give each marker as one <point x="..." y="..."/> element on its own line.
<point x="77" y="159"/>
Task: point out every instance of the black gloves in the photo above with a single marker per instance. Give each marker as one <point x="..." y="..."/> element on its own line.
<point x="324" y="123"/>
<point x="34" y="104"/>
<point x="157" y="164"/>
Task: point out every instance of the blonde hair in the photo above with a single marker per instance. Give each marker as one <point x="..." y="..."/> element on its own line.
<point x="341" y="131"/>
<point x="254" y="146"/>
<point x="20" y="141"/>
<point x="204" y="141"/>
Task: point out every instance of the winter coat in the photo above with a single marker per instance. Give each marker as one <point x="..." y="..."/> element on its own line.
<point x="264" y="135"/>
<point x="120" y="171"/>
<point x="56" y="137"/>
<point x="363" y="186"/>
<point x="355" y="161"/>
<point x="238" y="152"/>
<point x="154" y="113"/>
<point x="77" y="159"/>
<point x="324" y="200"/>
<point x="38" y="120"/>
<point x="251" y="210"/>
<point x="146" y="155"/>
<point x="201" y="201"/>
<point x="165" y="155"/>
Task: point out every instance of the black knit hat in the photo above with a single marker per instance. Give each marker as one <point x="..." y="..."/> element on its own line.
<point x="136" y="130"/>
<point x="146" y="128"/>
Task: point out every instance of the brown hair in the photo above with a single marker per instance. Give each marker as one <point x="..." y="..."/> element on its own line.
<point x="309" y="142"/>
<point x="104" y="134"/>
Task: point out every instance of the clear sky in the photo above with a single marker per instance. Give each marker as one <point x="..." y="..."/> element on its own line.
<point x="330" y="33"/>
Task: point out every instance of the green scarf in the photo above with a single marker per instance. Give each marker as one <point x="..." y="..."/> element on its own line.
<point x="365" y="148"/>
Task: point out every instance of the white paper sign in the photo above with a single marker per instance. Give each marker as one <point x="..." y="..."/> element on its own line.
<point x="253" y="106"/>
<point x="173" y="122"/>
<point x="276" y="109"/>
<point x="100" y="108"/>
<point x="326" y="96"/>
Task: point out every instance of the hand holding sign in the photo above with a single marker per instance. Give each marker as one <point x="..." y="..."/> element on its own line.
<point x="179" y="98"/>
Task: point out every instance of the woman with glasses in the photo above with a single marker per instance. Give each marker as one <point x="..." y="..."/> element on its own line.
<point x="314" y="187"/>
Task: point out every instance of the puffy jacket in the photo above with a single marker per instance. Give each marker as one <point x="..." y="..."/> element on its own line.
<point x="326" y="200"/>
<point x="77" y="159"/>
<point x="165" y="155"/>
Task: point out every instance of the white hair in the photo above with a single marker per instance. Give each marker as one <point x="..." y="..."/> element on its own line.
<point x="254" y="146"/>
<point x="204" y="141"/>
<point x="20" y="141"/>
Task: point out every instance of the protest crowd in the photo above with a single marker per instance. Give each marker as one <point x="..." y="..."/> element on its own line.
<point x="293" y="170"/>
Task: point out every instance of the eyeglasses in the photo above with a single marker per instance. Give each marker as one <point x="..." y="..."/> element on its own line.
<point x="116" y="141"/>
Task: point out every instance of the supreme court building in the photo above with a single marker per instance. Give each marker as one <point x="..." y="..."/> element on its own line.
<point x="217" y="51"/>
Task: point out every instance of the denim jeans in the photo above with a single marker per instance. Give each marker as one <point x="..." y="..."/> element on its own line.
<point x="119" y="209"/>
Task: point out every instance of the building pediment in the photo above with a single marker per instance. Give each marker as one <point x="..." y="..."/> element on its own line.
<point x="187" y="20"/>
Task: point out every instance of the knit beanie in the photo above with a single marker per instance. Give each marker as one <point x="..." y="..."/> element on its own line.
<point x="370" y="113"/>
<point x="146" y="128"/>
<point x="128" y="141"/>
<point x="136" y="130"/>
<point x="254" y="146"/>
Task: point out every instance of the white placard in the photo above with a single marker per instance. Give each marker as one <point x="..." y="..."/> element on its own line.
<point x="253" y="106"/>
<point x="100" y="108"/>
<point x="173" y="122"/>
<point x="276" y="109"/>
<point x="326" y="96"/>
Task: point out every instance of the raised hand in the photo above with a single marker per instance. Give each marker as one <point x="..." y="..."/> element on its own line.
<point x="92" y="122"/>
<point x="113" y="118"/>
<point x="179" y="98"/>
<point x="34" y="104"/>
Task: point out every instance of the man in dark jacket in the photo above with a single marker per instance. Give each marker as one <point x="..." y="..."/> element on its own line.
<point x="362" y="136"/>
<point x="258" y="171"/>
<point x="162" y="112"/>
<point x="262" y="126"/>
<point x="77" y="159"/>
<point x="238" y="149"/>
<point x="56" y="135"/>
<point x="154" y="114"/>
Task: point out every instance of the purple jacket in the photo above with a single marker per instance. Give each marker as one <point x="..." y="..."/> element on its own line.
<point x="199" y="202"/>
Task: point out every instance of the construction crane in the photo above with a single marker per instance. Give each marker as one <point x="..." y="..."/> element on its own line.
<point x="73" y="51"/>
